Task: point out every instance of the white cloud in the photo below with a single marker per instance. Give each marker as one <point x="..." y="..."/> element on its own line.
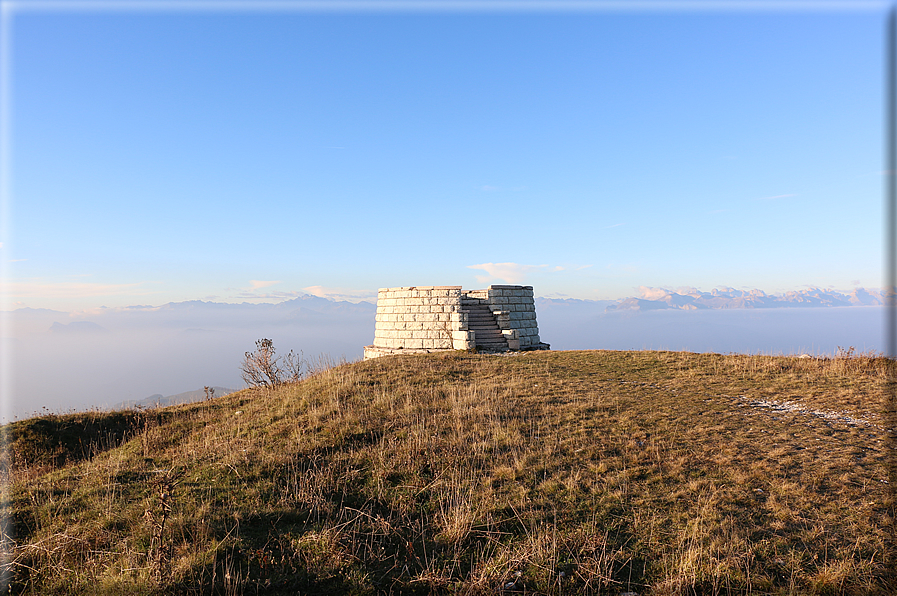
<point x="515" y="273"/>
<point x="687" y="291"/>
<point x="255" y="284"/>
<point x="649" y="293"/>
<point x="512" y="273"/>
<point x="341" y="293"/>
<point x="267" y="296"/>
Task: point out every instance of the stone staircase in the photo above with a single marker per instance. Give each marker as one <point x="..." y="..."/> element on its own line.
<point x="488" y="336"/>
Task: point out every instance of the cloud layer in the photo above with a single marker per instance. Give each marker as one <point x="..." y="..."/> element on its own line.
<point x="512" y="273"/>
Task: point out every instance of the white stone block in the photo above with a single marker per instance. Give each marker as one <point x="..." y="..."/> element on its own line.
<point x="463" y="345"/>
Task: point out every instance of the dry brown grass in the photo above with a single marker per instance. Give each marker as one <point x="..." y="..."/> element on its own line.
<point x="552" y="473"/>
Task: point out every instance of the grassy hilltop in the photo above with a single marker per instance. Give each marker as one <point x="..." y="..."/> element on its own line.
<point x="552" y="473"/>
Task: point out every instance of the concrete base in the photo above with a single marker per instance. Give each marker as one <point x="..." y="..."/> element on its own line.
<point x="539" y="346"/>
<point x="376" y="351"/>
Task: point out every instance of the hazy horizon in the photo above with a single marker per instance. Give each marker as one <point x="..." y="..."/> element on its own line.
<point x="115" y="355"/>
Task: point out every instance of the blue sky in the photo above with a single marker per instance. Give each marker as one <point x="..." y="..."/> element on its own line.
<point x="232" y="155"/>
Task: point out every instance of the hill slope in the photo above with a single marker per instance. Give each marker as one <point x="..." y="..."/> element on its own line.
<point x="156" y="400"/>
<point x="557" y="472"/>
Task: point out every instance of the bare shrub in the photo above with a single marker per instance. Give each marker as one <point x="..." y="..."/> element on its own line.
<point x="262" y="368"/>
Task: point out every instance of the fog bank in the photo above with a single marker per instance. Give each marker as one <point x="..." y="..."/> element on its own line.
<point x="63" y="361"/>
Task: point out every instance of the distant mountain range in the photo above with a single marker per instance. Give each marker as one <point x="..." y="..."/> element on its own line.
<point x="162" y="350"/>
<point x="727" y="298"/>
<point x="170" y="400"/>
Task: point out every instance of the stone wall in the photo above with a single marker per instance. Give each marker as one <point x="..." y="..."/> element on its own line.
<point x="421" y="318"/>
<point x="417" y="319"/>
<point x="514" y="309"/>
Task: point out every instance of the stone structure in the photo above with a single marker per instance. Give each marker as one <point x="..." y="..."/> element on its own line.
<point x="433" y="318"/>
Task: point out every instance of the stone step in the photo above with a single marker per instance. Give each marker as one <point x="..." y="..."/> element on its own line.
<point x="486" y="331"/>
